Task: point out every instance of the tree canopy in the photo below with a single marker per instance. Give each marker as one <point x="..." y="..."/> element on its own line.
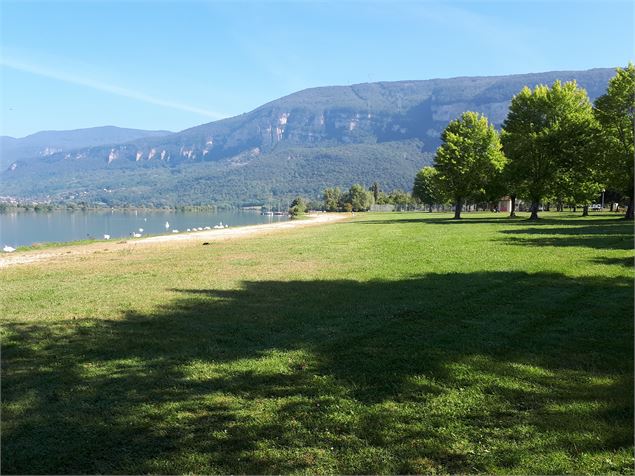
<point x="428" y="188"/>
<point x="359" y="198"/>
<point x="468" y="158"/>
<point x="547" y="133"/>
<point x="615" y="111"/>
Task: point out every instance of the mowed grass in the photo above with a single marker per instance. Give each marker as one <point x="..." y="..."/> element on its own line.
<point x="390" y="343"/>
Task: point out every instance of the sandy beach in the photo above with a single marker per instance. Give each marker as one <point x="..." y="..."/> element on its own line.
<point x="66" y="252"/>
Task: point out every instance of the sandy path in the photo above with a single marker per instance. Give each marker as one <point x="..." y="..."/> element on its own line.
<point x="65" y="252"/>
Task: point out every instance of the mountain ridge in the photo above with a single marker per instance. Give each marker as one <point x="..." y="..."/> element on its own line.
<point x="43" y="143"/>
<point x="355" y="131"/>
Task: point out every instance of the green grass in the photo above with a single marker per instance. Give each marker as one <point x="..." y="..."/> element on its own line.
<point x="393" y="343"/>
<point x="53" y="244"/>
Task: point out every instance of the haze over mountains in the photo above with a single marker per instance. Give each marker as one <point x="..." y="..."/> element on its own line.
<point x="298" y="144"/>
<point x="45" y="143"/>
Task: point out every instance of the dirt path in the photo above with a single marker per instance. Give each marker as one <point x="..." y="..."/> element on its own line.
<point x="64" y="252"/>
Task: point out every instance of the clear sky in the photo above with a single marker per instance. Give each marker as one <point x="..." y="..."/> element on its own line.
<point x="173" y="65"/>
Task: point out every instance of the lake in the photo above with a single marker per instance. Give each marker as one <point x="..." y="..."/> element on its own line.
<point x="26" y="228"/>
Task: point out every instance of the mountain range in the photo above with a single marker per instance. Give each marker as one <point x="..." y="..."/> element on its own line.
<point x="298" y="144"/>
<point x="45" y="143"/>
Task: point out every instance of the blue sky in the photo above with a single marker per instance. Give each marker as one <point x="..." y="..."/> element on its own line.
<point x="173" y="65"/>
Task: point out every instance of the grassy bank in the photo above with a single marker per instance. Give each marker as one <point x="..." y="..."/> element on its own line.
<point x="392" y="343"/>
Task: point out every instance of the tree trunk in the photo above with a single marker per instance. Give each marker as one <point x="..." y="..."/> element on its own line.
<point x="430" y="208"/>
<point x="512" y="212"/>
<point x="560" y="206"/>
<point x="458" y="204"/>
<point x="534" y="210"/>
<point x="585" y="211"/>
<point x="629" y="210"/>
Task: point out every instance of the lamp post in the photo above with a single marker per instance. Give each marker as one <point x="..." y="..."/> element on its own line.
<point x="603" y="190"/>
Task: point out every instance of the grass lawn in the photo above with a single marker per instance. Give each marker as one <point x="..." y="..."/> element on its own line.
<point x="390" y="343"/>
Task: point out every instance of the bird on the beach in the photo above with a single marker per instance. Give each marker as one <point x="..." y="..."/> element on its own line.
<point x="8" y="249"/>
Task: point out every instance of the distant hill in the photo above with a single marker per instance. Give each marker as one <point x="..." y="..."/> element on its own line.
<point x="298" y="144"/>
<point x="45" y="143"/>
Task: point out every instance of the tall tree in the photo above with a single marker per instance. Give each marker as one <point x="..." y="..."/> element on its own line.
<point x="427" y="187"/>
<point x="298" y="207"/>
<point x="547" y="131"/>
<point x="468" y="158"/>
<point x="615" y="111"/>
<point x="359" y="198"/>
<point x="375" y="189"/>
<point x="332" y="197"/>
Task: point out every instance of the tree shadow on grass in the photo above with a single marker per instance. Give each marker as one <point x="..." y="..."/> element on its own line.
<point x="453" y="373"/>
<point x="601" y="235"/>
<point x="626" y="262"/>
<point x="430" y="219"/>
<point x="502" y="219"/>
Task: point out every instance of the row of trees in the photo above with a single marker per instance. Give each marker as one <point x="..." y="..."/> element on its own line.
<point x="554" y="145"/>
<point x="356" y="199"/>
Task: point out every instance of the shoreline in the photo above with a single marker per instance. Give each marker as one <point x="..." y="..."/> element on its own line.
<point x="67" y="251"/>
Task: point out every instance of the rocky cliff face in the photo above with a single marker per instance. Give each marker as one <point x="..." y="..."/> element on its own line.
<point x="358" y="114"/>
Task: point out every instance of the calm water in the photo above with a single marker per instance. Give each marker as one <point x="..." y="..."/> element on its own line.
<point x="26" y="228"/>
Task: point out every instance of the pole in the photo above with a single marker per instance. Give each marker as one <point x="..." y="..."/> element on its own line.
<point x="603" y="190"/>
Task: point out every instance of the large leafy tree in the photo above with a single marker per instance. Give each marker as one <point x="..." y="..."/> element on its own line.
<point x="359" y="198"/>
<point x="615" y="111"/>
<point x="298" y="207"/>
<point x="332" y="198"/>
<point x="548" y="132"/>
<point x="427" y="187"/>
<point x="469" y="157"/>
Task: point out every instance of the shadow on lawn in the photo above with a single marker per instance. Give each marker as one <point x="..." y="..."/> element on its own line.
<point x="456" y="372"/>
<point x="599" y="235"/>
<point x="626" y="262"/>
<point x="432" y="220"/>
<point x="501" y="219"/>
